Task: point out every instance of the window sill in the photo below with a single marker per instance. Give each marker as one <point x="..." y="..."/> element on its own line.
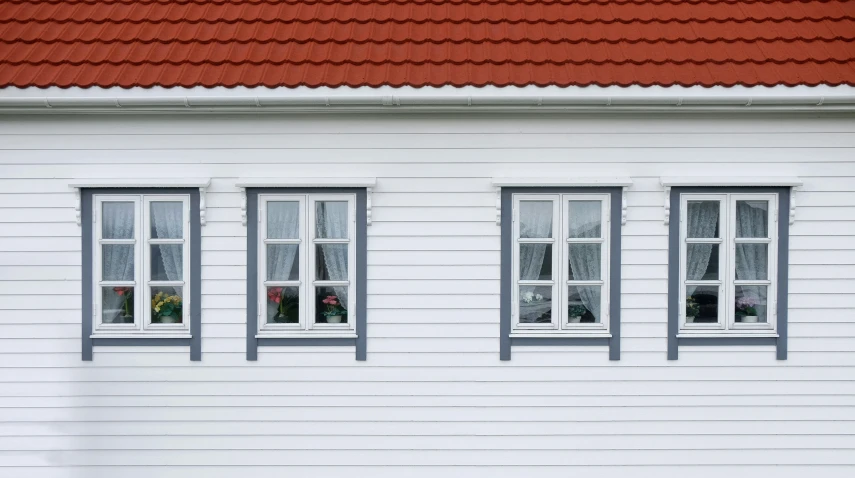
<point x="105" y="335"/>
<point x="552" y="334"/>
<point x="719" y="335"/>
<point x="304" y="335"/>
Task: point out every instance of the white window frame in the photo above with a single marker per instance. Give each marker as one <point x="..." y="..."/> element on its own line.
<point x="142" y="282"/>
<point x="727" y="282"/>
<point x="560" y="268"/>
<point x="306" y="257"/>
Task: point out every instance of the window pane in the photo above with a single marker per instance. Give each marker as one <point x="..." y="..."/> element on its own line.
<point x="167" y="305"/>
<point x="535" y="219"/>
<point x="703" y="220"/>
<point x="331" y="262"/>
<point x="331" y="219"/>
<point x="752" y="218"/>
<point x="117" y="220"/>
<point x="702" y="261"/>
<point x="283" y="305"/>
<point x="282" y="263"/>
<point x="167" y="262"/>
<point x="535" y="304"/>
<point x="117" y="305"/>
<point x="752" y="261"/>
<point x="167" y="220"/>
<point x="535" y="261"/>
<point x="584" y="304"/>
<point x="585" y="261"/>
<point x="283" y="220"/>
<point x="585" y="218"/>
<point x="702" y="304"/>
<point x="751" y="304"/>
<point x="331" y="305"/>
<point x="117" y="262"/>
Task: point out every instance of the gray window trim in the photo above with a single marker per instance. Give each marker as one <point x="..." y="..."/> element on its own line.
<point x="252" y="342"/>
<point x="195" y="341"/>
<point x="506" y="342"/>
<point x="780" y="342"/>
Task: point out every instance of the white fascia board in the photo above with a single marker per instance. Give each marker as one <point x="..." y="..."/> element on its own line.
<point x="612" y="98"/>
<point x="561" y="182"/>
<point x="756" y="181"/>
<point x="306" y="182"/>
<point x="140" y="183"/>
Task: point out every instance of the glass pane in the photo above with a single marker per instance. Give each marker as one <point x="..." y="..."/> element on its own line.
<point x="535" y="261"/>
<point x="331" y="219"/>
<point x="585" y="261"/>
<point x="283" y="305"/>
<point x="167" y="305"/>
<point x="117" y="305"/>
<point x="703" y="220"/>
<point x="751" y="304"/>
<point x="282" y="262"/>
<point x="584" y="304"/>
<point x="752" y="218"/>
<point x="752" y="261"/>
<point x="167" y="262"/>
<point x="167" y="220"/>
<point x="702" y="261"/>
<point x="117" y="262"/>
<point x="535" y="219"/>
<point x="535" y="304"/>
<point x="331" y="305"/>
<point x="117" y="220"/>
<point x="283" y="220"/>
<point x="585" y="218"/>
<point x="331" y="262"/>
<point x="702" y="304"/>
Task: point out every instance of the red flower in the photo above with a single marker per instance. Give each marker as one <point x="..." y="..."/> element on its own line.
<point x="120" y="291"/>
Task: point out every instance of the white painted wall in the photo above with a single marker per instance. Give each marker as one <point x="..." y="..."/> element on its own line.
<point x="433" y="399"/>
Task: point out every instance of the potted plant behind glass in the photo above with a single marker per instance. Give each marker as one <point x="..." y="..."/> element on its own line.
<point x="746" y="309"/>
<point x="334" y="309"/>
<point x="692" y="309"/>
<point x="166" y="309"/>
<point x="575" y="313"/>
<point x="286" y="306"/>
<point x="126" y="316"/>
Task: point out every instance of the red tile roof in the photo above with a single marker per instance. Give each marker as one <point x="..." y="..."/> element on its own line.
<point x="315" y="43"/>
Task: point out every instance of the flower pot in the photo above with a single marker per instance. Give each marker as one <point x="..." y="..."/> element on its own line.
<point x="333" y="319"/>
<point x="575" y="319"/>
<point x="690" y="320"/>
<point x="749" y="318"/>
<point x="169" y="319"/>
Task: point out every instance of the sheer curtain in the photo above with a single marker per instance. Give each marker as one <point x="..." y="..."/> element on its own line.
<point x="283" y="222"/>
<point x="586" y="222"/>
<point x="167" y="223"/>
<point x="535" y="222"/>
<point x="751" y="259"/>
<point x="117" y="260"/>
<point x="701" y="222"/>
<point x="332" y="224"/>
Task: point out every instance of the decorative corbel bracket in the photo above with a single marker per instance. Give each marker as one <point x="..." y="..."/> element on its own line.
<point x="243" y="206"/>
<point x="623" y="206"/>
<point x="368" y="192"/>
<point x="499" y="206"/>
<point x="792" y="205"/>
<point x="203" y="211"/>
<point x="667" y="205"/>
<point x="78" y="205"/>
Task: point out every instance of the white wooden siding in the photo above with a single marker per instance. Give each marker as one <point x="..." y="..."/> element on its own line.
<point x="433" y="399"/>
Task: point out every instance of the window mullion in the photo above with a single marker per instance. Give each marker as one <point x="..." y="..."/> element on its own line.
<point x="141" y="269"/>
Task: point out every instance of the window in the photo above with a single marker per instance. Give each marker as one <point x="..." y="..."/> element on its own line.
<point x="306" y="252"/>
<point x="141" y="264"/>
<point x="561" y="246"/>
<point x="728" y="261"/>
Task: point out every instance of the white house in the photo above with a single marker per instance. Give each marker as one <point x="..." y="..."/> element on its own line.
<point x="464" y="239"/>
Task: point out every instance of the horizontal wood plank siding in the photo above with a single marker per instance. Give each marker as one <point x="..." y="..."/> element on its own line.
<point x="432" y="399"/>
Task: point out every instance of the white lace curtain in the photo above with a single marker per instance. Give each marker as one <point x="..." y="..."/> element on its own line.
<point x="117" y="260"/>
<point x="535" y="222"/>
<point x="751" y="259"/>
<point x="585" y="222"/>
<point x="167" y="220"/>
<point x="701" y="221"/>
<point x="283" y="222"/>
<point x="331" y="219"/>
